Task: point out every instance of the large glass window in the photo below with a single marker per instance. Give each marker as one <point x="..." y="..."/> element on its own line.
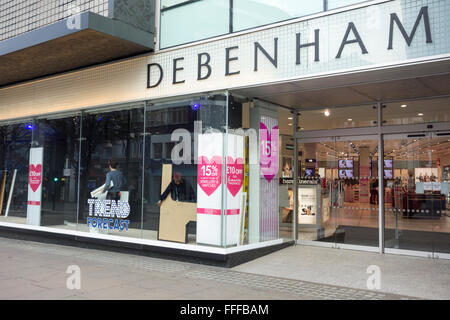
<point x="192" y="21"/>
<point x="111" y="171"/>
<point x="417" y="111"/>
<point x="250" y="13"/>
<point x="184" y="139"/>
<point x="15" y="143"/>
<point x="333" y="4"/>
<point x="417" y="192"/>
<point x="59" y="139"/>
<point x="187" y="21"/>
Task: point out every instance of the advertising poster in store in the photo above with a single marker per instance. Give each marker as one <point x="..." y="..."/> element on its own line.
<point x="307" y="207"/>
<point x="35" y="186"/>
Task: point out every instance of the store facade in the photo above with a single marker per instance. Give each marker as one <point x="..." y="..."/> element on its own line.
<point x="343" y="110"/>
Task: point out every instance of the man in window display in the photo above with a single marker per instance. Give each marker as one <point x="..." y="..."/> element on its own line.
<point x="117" y="179"/>
<point x="179" y="190"/>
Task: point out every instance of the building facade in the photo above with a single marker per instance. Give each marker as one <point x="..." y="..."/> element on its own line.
<point x="238" y="127"/>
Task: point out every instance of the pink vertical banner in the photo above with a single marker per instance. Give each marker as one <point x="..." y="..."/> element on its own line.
<point x="268" y="151"/>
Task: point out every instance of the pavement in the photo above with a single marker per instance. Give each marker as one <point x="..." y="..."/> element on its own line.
<point x="39" y="271"/>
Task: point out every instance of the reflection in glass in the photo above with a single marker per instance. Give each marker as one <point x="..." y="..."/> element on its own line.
<point x="60" y="140"/>
<point x="253" y="13"/>
<point x="338" y="193"/>
<point x="161" y="122"/>
<point x="195" y="21"/>
<point x="112" y="136"/>
<point x="333" y="4"/>
<point x="15" y="142"/>
<point x="417" y="215"/>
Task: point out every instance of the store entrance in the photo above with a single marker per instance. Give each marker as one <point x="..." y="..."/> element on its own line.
<point x="338" y="190"/>
<point x="418" y="174"/>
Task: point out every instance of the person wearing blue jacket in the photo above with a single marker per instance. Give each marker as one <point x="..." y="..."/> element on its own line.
<point x="118" y="180"/>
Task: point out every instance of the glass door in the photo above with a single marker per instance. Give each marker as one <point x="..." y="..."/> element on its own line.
<point x="438" y="190"/>
<point x="317" y="194"/>
<point x="357" y="181"/>
<point x="416" y="172"/>
<point x="337" y="190"/>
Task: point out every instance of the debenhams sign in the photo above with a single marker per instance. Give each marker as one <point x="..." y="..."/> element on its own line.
<point x="364" y="37"/>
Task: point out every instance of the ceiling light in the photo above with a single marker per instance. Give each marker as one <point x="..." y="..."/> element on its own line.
<point x="290" y="124"/>
<point x="327" y="113"/>
<point x="403" y="106"/>
<point x="349" y="119"/>
<point x="290" y="118"/>
<point x="420" y="114"/>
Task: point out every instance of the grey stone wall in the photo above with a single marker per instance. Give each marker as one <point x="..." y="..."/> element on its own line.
<point x="139" y="13"/>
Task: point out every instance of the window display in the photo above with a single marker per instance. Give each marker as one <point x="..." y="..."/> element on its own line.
<point x="166" y="172"/>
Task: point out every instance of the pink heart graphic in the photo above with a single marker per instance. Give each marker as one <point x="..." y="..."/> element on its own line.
<point x="235" y="175"/>
<point x="209" y="174"/>
<point x="268" y="151"/>
<point x="35" y="176"/>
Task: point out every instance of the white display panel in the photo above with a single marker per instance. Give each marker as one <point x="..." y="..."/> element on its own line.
<point x="307" y="209"/>
<point x="210" y="185"/>
<point x="35" y="173"/>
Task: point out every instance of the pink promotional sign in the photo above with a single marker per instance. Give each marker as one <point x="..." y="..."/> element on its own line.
<point x="209" y="174"/>
<point x="35" y="171"/>
<point x="268" y="151"/>
<point x="235" y="175"/>
<point x="35" y="176"/>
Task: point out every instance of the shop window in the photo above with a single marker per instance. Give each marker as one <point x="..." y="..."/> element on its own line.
<point x="15" y="143"/>
<point x="111" y="147"/>
<point x="59" y="140"/>
<point x="174" y="179"/>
